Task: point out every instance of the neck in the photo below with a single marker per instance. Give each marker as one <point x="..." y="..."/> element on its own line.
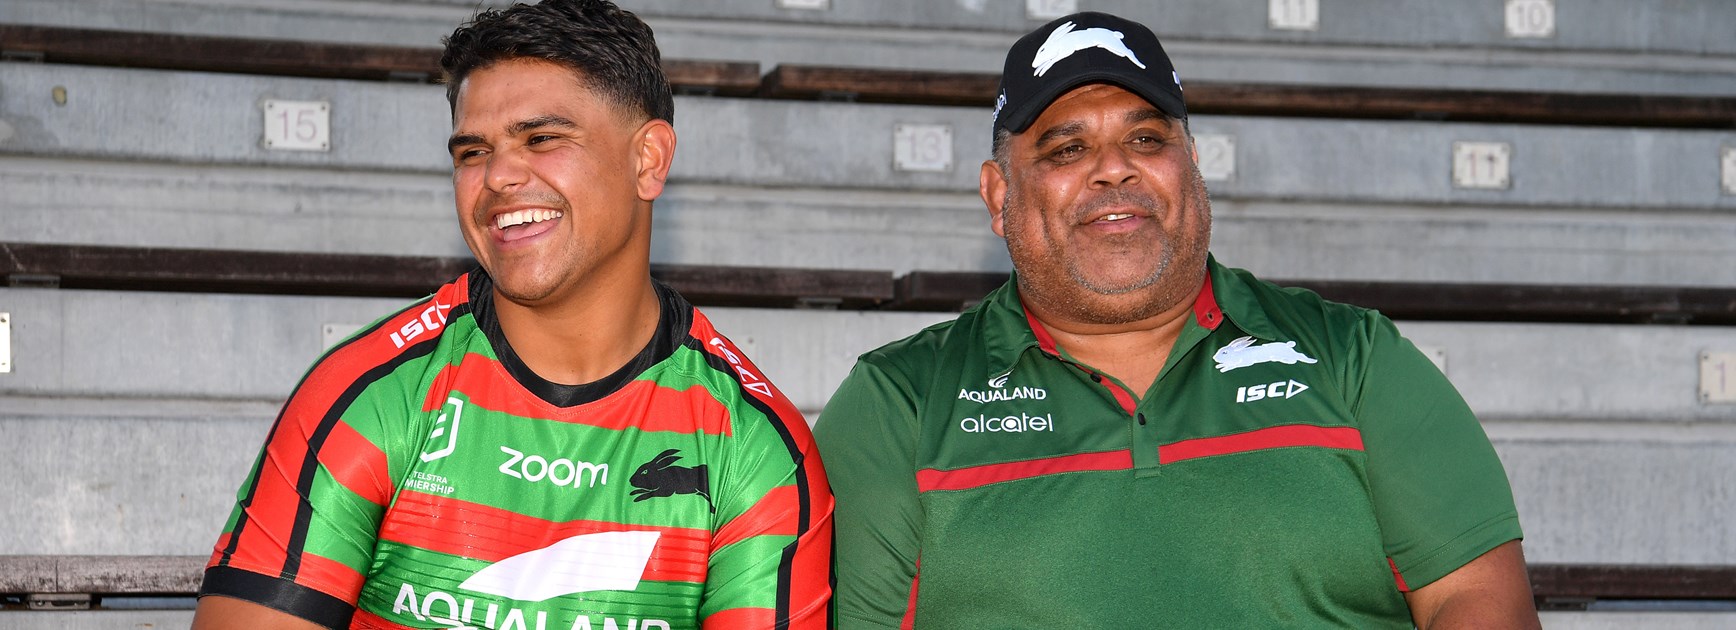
<point x="579" y="341"/>
<point x="1131" y="352"/>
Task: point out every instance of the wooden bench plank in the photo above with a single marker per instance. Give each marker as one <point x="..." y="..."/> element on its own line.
<point x="1316" y="101"/>
<point x="295" y="273"/>
<point x="1630" y="581"/>
<point x="929" y="290"/>
<point x="169" y="51"/>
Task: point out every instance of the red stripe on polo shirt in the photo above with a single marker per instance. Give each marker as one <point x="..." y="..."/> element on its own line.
<point x="929" y="479"/>
<point x="909" y="622"/>
<point x="1268" y="438"/>
<point x="1397" y="577"/>
<point x="1205" y="308"/>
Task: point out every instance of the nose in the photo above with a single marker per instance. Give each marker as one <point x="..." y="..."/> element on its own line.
<point x="507" y="171"/>
<point x="1114" y="168"/>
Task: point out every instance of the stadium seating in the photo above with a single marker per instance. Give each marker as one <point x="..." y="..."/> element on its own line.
<point x="154" y="250"/>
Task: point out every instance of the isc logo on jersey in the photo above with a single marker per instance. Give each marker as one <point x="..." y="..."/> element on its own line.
<point x="429" y="320"/>
<point x="1279" y="389"/>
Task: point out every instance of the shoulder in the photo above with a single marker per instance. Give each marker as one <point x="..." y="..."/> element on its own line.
<point x="381" y="350"/>
<point x="1299" y="314"/>
<point x="733" y="377"/>
<point x="932" y="350"/>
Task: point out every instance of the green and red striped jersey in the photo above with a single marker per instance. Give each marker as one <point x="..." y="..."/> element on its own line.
<point x="421" y="476"/>
<point x="1296" y="464"/>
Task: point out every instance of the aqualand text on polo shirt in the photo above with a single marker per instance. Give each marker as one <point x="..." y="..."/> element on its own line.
<point x="1297" y="463"/>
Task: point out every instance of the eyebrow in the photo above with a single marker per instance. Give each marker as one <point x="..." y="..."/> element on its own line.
<point x="1132" y="117"/>
<point x="549" y="120"/>
<point x="1142" y="115"/>
<point x="1063" y="129"/>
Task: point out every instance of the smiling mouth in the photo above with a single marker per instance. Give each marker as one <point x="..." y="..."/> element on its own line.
<point x="522" y="217"/>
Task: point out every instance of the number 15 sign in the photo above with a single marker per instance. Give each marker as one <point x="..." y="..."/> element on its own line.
<point x="298" y="125"/>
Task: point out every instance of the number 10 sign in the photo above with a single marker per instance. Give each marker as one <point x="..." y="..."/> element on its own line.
<point x="298" y="125"/>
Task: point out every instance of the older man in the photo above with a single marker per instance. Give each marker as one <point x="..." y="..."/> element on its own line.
<point x="553" y="440"/>
<point x="1130" y="435"/>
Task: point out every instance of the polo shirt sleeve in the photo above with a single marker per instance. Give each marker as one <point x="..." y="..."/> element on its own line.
<point x="1440" y="494"/>
<point x="867" y="436"/>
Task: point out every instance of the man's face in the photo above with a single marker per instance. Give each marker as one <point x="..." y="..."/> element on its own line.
<point x="553" y="181"/>
<point x="1103" y="208"/>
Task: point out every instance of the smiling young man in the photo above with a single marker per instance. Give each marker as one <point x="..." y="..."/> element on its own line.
<point x="553" y="440"/>
<point x="1130" y="435"/>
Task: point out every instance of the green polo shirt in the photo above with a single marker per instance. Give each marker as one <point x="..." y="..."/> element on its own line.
<point x="1297" y="463"/>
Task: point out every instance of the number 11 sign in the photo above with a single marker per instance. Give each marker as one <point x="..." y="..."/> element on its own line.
<point x="298" y="125"/>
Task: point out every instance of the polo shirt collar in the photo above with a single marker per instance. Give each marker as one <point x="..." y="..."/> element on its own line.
<point x="1009" y="330"/>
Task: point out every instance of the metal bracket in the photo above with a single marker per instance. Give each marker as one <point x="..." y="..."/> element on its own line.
<point x="5" y="343"/>
<point x="58" y="601"/>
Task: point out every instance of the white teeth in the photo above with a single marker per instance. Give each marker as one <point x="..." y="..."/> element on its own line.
<point x="1116" y="217"/>
<point x="522" y="217"/>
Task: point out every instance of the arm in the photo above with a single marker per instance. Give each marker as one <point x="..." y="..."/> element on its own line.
<point x="867" y="433"/>
<point x="771" y="564"/>
<point x="1445" y="508"/>
<point x="217" y="612"/>
<point x="305" y="520"/>
<point x="1492" y="591"/>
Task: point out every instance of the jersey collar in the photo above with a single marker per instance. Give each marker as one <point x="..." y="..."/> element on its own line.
<point x="1010" y="329"/>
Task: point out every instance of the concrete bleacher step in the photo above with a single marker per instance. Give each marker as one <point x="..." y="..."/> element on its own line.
<point x="1307" y="198"/>
<point x="102" y="202"/>
<point x="170" y="51"/>
<point x="1601" y="46"/>
<point x="851" y="145"/>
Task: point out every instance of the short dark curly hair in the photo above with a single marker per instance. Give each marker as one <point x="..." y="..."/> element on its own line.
<point x="612" y="50"/>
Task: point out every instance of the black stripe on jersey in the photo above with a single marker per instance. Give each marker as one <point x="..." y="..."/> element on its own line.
<point x="301" y="601"/>
<point x="787" y="563"/>
<point x="310" y="462"/>
<point x="259" y="466"/>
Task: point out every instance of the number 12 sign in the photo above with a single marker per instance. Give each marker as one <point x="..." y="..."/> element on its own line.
<point x="298" y="125"/>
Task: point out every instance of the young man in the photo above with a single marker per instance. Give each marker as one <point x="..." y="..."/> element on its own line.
<point x="1129" y="435"/>
<point x="554" y="440"/>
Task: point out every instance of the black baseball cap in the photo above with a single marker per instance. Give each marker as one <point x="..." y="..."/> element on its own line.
<point x="1083" y="48"/>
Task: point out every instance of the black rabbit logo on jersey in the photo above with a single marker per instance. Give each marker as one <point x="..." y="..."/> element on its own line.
<point x="658" y="478"/>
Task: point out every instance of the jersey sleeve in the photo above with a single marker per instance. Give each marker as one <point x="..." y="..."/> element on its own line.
<point x="771" y="560"/>
<point x="867" y="434"/>
<point x="302" y="532"/>
<point x="1440" y="493"/>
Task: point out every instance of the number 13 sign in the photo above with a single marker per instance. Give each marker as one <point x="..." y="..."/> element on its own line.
<point x="298" y="125"/>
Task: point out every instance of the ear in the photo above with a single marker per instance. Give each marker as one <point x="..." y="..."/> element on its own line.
<point x="992" y="185"/>
<point x="1193" y="149"/>
<point x="655" y="149"/>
